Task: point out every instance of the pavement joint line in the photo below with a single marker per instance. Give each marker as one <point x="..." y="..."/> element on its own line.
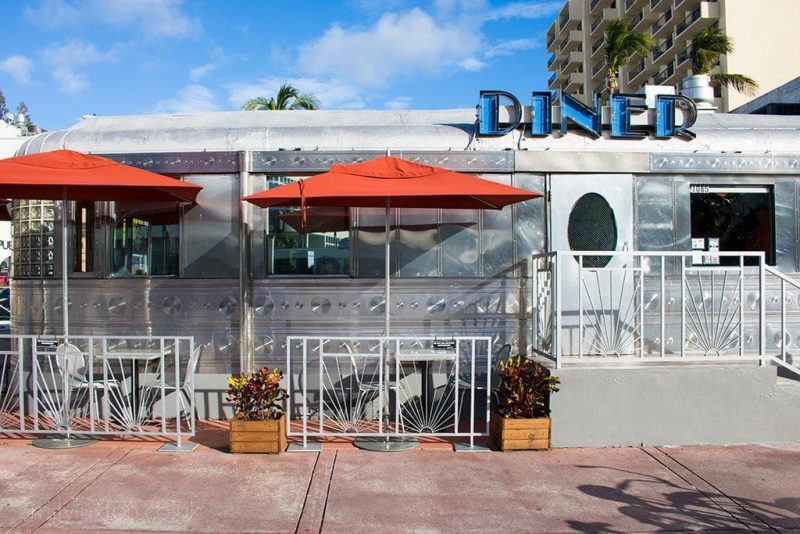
<point x="308" y="492"/>
<point x="76" y="477"/>
<point x="124" y="453"/>
<point x="718" y="491"/>
<point x="328" y="492"/>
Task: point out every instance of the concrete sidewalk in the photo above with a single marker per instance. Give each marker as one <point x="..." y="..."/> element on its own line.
<point x="129" y="486"/>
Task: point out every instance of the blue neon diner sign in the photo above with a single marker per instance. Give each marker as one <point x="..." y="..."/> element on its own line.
<point x="573" y="111"/>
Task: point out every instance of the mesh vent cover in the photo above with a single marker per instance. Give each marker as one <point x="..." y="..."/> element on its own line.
<point x="592" y="226"/>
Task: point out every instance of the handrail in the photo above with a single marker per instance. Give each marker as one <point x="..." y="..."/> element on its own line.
<point x="782" y="360"/>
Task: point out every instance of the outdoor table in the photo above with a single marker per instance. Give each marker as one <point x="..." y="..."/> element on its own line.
<point x="424" y="360"/>
<point x="136" y="357"/>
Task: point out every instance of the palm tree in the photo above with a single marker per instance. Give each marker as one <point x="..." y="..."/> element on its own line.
<point x="288" y="97"/>
<point x="707" y="47"/>
<point x="622" y="43"/>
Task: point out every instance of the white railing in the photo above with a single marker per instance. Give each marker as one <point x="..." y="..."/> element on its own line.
<point x="389" y="386"/>
<point x="670" y="306"/>
<point x="98" y="385"/>
<point x="783" y="338"/>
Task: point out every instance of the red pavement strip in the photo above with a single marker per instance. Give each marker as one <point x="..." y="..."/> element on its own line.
<point x="114" y="486"/>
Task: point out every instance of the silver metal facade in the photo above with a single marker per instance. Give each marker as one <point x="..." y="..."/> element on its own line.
<point x="222" y="298"/>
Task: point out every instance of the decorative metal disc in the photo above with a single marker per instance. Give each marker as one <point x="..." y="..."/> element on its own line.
<point x="62" y="443"/>
<point x="386" y="444"/>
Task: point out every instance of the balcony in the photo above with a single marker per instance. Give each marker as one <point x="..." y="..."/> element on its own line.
<point x="601" y="21"/>
<point x="661" y="49"/>
<point x="551" y="60"/>
<point x="654" y="3"/>
<point x="698" y="19"/>
<point x="552" y="80"/>
<point x="661" y="23"/>
<point x="598" y="44"/>
<point x="598" y="4"/>
<point x="633" y="4"/>
<point x="570" y="17"/>
<point x="664" y="75"/>
<point x="686" y="22"/>
<point x="635" y="71"/>
<point x="683" y="55"/>
<point x="637" y="19"/>
<point x="600" y="67"/>
<point x="551" y="38"/>
<point x="572" y="42"/>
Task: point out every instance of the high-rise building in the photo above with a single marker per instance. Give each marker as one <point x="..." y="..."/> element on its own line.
<point x="764" y="33"/>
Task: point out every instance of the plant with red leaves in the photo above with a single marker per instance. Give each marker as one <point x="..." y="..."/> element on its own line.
<point x="524" y="390"/>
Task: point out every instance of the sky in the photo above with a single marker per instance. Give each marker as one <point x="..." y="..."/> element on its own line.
<point x="69" y="58"/>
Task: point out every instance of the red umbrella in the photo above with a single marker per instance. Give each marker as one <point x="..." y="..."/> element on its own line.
<point x="392" y="183"/>
<point x="68" y="175"/>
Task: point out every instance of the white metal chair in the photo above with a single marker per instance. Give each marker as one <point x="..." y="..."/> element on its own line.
<point x="369" y="385"/>
<point x="465" y="382"/>
<point x="71" y="363"/>
<point x="181" y="388"/>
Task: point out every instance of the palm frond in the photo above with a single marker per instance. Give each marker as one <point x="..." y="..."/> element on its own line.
<point x="622" y="44"/>
<point x="706" y="48"/>
<point x="740" y="82"/>
<point x="288" y="97"/>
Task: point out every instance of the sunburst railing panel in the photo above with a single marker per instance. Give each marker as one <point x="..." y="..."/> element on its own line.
<point x="389" y="386"/>
<point x="648" y="306"/>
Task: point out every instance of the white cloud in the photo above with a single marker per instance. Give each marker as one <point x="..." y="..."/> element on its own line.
<point x="154" y="18"/>
<point x="398" y="45"/>
<point x="201" y="71"/>
<point x="508" y="48"/>
<point x="526" y="10"/>
<point x="400" y="102"/>
<point x="190" y="99"/>
<point x="331" y="93"/>
<point x="471" y="64"/>
<point x="67" y="60"/>
<point x="18" y="67"/>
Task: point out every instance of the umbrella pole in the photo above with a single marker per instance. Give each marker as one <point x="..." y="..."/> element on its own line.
<point x="387" y="266"/>
<point x="64" y="248"/>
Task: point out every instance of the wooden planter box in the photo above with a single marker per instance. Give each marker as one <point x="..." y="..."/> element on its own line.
<point x="258" y="436"/>
<point x="520" y="434"/>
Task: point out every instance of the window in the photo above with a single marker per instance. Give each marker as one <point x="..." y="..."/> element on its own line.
<point x="733" y="218"/>
<point x="592" y="226"/>
<point x="145" y="239"/>
<point x="316" y="243"/>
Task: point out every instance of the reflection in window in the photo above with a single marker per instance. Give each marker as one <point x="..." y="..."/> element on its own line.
<point x="423" y="242"/>
<point x="83" y="239"/>
<point x="145" y="239"/>
<point x="317" y="245"/>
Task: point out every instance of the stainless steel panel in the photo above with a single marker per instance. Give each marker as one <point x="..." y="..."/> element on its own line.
<point x="724" y="163"/>
<point x="654" y="210"/>
<point x="305" y="162"/>
<point x="369" y="247"/>
<point x="785" y="225"/>
<point x="418" y="242"/>
<point x="182" y="162"/>
<point x="497" y="239"/>
<point x="258" y="231"/>
<point x="460" y="233"/>
<point x="683" y="216"/>
<point x="210" y="230"/>
<point x="529" y="223"/>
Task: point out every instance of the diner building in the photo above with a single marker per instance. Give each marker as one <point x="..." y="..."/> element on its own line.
<point x="657" y="276"/>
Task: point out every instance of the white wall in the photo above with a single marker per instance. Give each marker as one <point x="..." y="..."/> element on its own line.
<point x="766" y="41"/>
